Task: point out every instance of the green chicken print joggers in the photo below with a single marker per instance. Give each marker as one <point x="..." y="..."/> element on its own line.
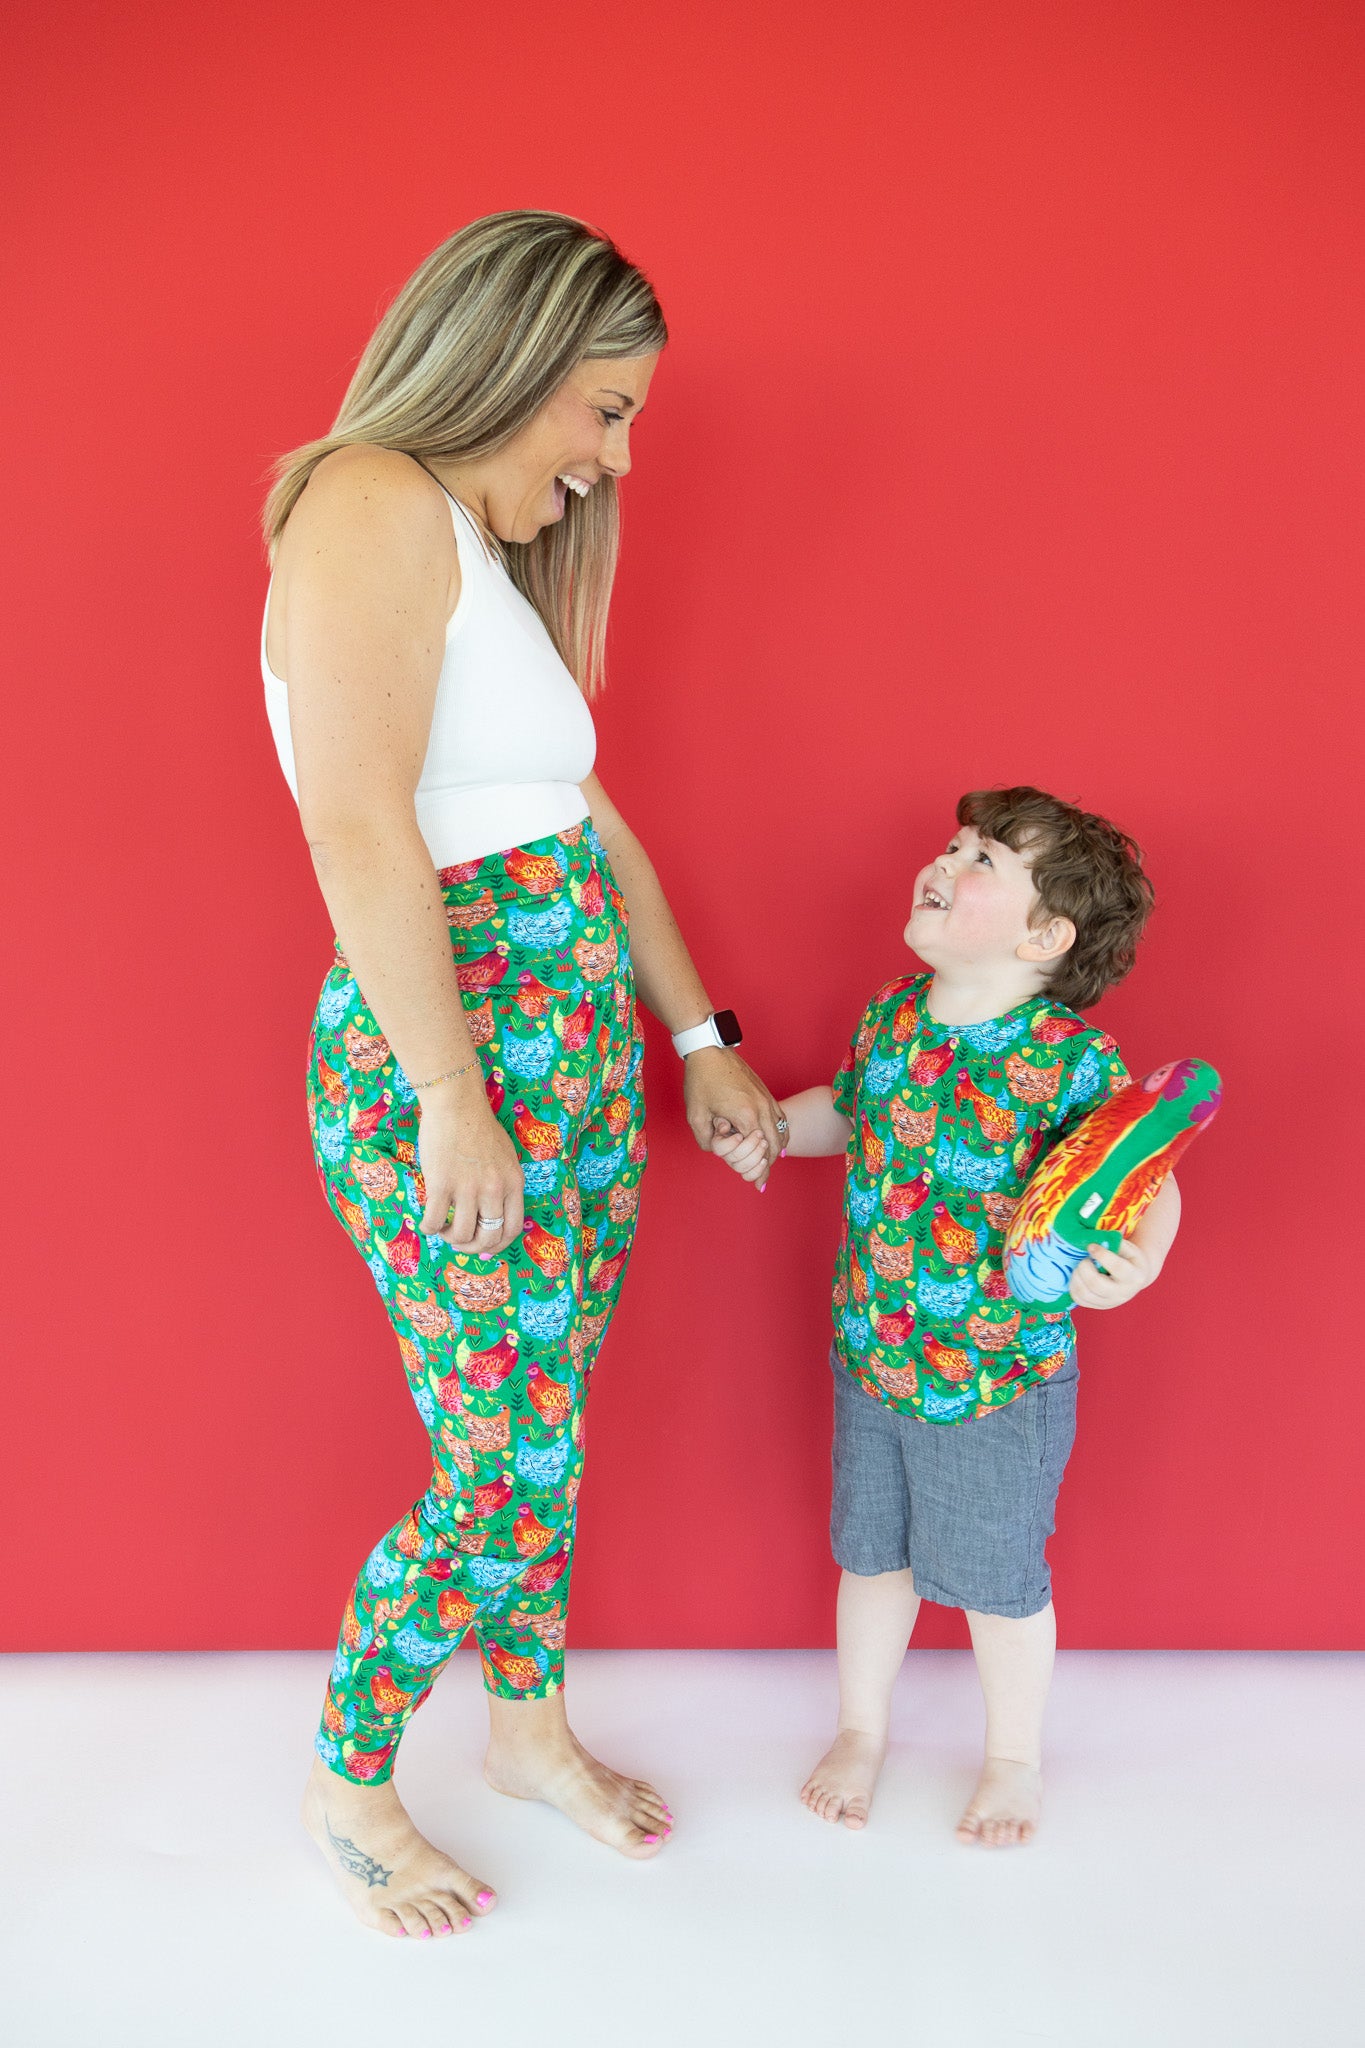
<point x="498" y="1352"/>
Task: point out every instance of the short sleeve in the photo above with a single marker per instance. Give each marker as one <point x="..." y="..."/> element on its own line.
<point x="1096" y="1075"/>
<point x="846" y="1080"/>
<point x="846" y="1086"/>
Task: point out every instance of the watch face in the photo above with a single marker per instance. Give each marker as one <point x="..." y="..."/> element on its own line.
<point x="727" y="1026"/>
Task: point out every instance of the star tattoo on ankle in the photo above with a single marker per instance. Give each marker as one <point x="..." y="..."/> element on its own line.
<point x="355" y="1860"/>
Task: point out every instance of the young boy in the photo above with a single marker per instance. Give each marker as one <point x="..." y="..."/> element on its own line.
<point x="954" y="1404"/>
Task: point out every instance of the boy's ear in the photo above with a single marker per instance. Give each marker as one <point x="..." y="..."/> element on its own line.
<point x="1047" y="941"/>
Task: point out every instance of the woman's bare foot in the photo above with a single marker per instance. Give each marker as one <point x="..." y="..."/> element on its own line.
<point x="840" y="1787"/>
<point x="390" y="1876"/>
<point x="1004" y="1810"/>
<point x="534" y="1754"/>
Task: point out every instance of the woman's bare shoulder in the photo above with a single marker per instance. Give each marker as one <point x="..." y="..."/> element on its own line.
<point x="348" y="480"/>
<point x="369" y="529"/>
<point x="370" y="494"/>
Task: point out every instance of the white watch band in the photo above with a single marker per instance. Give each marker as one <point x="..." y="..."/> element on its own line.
<point x="695" y="1037"/>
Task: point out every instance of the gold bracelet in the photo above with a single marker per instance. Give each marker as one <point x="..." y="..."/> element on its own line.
<point x="453" y="1075"/>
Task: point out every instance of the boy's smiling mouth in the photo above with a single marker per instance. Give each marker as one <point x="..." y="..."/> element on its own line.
<point x="931" y="900"/>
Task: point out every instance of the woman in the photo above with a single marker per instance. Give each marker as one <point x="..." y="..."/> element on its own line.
<point x="443" y="562"/>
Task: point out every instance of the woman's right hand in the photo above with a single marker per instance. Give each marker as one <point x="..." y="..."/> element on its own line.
<point x="471" y="1169"/>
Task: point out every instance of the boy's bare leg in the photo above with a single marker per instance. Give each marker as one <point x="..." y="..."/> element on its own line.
<point x="875" y="1618"/>
<point x="1014" y="1660"/>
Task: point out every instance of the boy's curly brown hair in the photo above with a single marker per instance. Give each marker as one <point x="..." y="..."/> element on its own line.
<point x="1083" y="868"/>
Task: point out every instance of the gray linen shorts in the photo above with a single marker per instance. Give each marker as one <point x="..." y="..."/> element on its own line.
<point x="966" y="1506"/>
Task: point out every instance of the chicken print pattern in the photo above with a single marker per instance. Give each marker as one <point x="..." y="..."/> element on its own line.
<point x="949" y="1122"/>
<point x="498" y="1353"/>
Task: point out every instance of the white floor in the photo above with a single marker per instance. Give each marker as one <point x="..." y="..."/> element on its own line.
<point x="1198" y="1879"/>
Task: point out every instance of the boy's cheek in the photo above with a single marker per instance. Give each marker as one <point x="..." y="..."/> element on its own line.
<point x="978" y="920"/>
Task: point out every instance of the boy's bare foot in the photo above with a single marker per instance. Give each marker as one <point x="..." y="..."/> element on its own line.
<point x="840" y="1787"/>
<point x="549" y="1762"/>
<point x="390" y="1876"/>
<point x="1004" y="1810"/>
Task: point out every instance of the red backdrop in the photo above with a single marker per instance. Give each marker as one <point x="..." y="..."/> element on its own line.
<point x="1011" y="431"/>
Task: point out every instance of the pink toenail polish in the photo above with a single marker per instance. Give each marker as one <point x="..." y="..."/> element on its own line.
<point x="651" y="1838"/>
<point x="485" y="1899"/>
<point x="466" y="1922"/>
<point x="425" y="1934"/>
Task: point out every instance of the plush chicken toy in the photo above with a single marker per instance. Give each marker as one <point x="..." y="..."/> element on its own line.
<point x="1094" y="1185"/>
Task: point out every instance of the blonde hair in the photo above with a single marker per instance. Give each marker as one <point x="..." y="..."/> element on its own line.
<point x="480" y="336"/>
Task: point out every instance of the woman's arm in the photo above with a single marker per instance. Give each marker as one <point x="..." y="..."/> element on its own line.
<point x="368" y="575"/>
<point x="723" y="1093"/>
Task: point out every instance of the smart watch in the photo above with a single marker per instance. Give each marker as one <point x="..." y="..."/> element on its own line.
<point x="720" y="1028"/>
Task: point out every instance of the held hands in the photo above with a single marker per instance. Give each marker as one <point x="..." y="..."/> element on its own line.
<point x="728" y="1107"/>
<point x="808" y="1125"/>
<point x="748" y="1156"/>
<point x="1106" y="1279"/>
<point x="475" y="1190"/>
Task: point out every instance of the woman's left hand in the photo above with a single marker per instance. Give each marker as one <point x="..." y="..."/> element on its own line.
<point x="724" y="1096"/>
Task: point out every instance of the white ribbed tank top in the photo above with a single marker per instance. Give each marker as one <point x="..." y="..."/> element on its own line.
<point x="512" y="737"/>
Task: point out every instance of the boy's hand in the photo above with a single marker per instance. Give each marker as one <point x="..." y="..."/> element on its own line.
<point x="1106" y="1279"/>
<point x="748" y="1156"/>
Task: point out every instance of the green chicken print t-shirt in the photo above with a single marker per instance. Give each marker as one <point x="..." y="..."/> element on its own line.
<point x="949" y="1122"/>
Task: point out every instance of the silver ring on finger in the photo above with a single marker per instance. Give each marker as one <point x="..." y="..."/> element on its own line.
<point x="782" y="1127"/>
<point x="490" y="1222"/>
